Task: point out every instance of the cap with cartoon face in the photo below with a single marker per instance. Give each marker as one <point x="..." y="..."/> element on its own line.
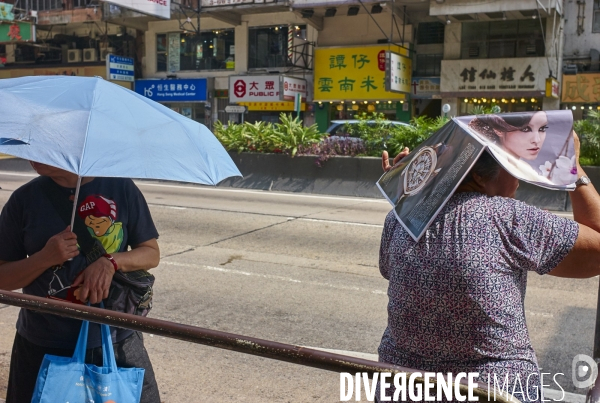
<point x="98" y="213"/>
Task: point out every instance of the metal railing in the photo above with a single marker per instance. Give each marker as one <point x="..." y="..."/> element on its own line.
<point x="228" y="341"/>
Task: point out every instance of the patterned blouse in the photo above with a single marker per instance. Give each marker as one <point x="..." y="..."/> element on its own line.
<point x="456" y="297"/>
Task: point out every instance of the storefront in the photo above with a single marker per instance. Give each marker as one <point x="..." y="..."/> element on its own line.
<point x="426" y="97"/>
<point x="513" y="84"/>
<point x="266" y="96"/>
<point x="581" y="93"/>
<point x="189" y="97"/>
<point x="352" y="80"/>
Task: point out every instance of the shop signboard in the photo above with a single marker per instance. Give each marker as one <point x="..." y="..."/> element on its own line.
<point x="254" y="89"/>
<point x="397" y="72"/>
<point x="179" y="90"/>
<point x="17" y="32"/>
<point x="290" y="86"/>
<point x="119" y="68"/>
<point x="281" y="106"/>
<point x="581" y="88"/>
<point x="489" y="75"/>
<point x="356" y="73"/>
<point x="6" y="13"/>
<point x="157" y="8"/>
<point x="552" y="88"/>
<point x="425" y="88"/>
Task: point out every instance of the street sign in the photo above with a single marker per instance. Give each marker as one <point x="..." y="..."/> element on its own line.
<point x="236" y="109"/>
<point x="119" y="68"/>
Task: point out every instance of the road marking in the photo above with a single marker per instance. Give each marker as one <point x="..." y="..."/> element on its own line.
<point x="273" y="277"/>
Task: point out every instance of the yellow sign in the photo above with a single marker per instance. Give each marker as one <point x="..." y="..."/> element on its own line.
<point x="581" y="88"/>
<point x="552" y="88"/>
<point x="90" y="71"/>
<point x="283" y="106"/>
<point x="356" y="73"/>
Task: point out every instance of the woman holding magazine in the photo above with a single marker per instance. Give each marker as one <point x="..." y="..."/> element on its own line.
<point x="456" y="297"/>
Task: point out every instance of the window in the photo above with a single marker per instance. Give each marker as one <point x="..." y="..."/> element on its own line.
<point x="41" y="5"/>
<point x="211" y="50"/>
<point x="428" y="65"/>
<point x="596" y="17"/>
<point x="502" y="39"/>
<point x="268" y="46"/>
<point x="430" y="32"/>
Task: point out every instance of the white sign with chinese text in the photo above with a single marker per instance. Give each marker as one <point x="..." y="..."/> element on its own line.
<point x="158" y="8"/>
<point x="397" y="72"/>
<point x="290" y="86"/>
<point x="254" y="89"/>
<point x="489" y="75"/>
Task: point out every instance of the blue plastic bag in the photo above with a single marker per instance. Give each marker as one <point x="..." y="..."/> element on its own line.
<point x="71" y="380"/>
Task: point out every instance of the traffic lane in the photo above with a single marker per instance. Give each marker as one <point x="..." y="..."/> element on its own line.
<point x="363" y="210"/>
<point x="273" y="301"/>
<point x="337" y="242"/>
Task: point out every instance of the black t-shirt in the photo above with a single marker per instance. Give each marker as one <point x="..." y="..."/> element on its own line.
<point x="115" y="212"/>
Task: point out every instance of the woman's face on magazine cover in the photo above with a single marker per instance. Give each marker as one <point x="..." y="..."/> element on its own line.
<point x="527" y="142"/>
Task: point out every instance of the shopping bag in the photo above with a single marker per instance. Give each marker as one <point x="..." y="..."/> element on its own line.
<point x="71" y="380"/>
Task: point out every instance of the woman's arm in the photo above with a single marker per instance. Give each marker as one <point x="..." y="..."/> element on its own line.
<point x="18" y="274"/>
<point x="583" y="260"/>
<point x="96" y="278"/>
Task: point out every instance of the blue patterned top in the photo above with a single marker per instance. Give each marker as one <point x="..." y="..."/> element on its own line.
<point x="456" y="297"/>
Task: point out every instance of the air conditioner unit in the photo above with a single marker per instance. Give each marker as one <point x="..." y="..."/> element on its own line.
<point x="104" y="52"/>
<point x="90" y="55"/>
<point x="74" y="56"/>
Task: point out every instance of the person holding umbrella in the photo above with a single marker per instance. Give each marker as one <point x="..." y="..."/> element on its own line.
<point x="41" y="256"/>
<point x="85" y="135"/>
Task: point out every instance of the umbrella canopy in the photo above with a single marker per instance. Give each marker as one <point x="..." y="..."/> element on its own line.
<point x="92" y="127"/>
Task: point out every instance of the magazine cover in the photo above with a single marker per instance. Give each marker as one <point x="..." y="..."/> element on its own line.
<point x="536" y="147"/>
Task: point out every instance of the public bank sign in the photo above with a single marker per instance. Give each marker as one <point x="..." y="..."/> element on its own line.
<point x="179" y="90"/>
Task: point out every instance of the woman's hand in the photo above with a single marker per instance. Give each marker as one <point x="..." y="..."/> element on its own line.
<point x="94" y="282"/>
<point x="385" y="159"/>
<point x="60" y="248"/>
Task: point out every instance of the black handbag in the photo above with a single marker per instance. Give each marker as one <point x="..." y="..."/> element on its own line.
<point x="130" y="292"/>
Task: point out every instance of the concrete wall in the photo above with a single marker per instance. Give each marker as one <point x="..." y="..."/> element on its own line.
<point x="340" y="176"/>
<point x="361" y="30"/>
<point x="579" y="44"/>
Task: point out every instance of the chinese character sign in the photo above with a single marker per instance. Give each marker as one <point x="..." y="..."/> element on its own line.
<point x="397" y="72"/>
<point x="357" y="73"/>
<point x="290" y="86"/>
<point x="518" y="74"/>
<point x="17" y="32"/>
<point x="581" y="88"/>
<point x="255" y="88"/>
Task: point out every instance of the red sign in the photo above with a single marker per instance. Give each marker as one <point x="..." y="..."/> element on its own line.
<point x="239" y="88"/>
<point x="381" y="60"/>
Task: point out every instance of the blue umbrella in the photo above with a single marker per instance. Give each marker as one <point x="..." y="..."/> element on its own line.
<point x="92" y="127"/>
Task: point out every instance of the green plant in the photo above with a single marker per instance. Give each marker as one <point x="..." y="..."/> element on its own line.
<point x="588" y="131"/>
<point x="419" y="130"/>
<point x="290" y="134"/>
<point x="232" y="136"/>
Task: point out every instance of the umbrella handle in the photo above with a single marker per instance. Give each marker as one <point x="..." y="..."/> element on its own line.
<point x="75" y="201"/>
